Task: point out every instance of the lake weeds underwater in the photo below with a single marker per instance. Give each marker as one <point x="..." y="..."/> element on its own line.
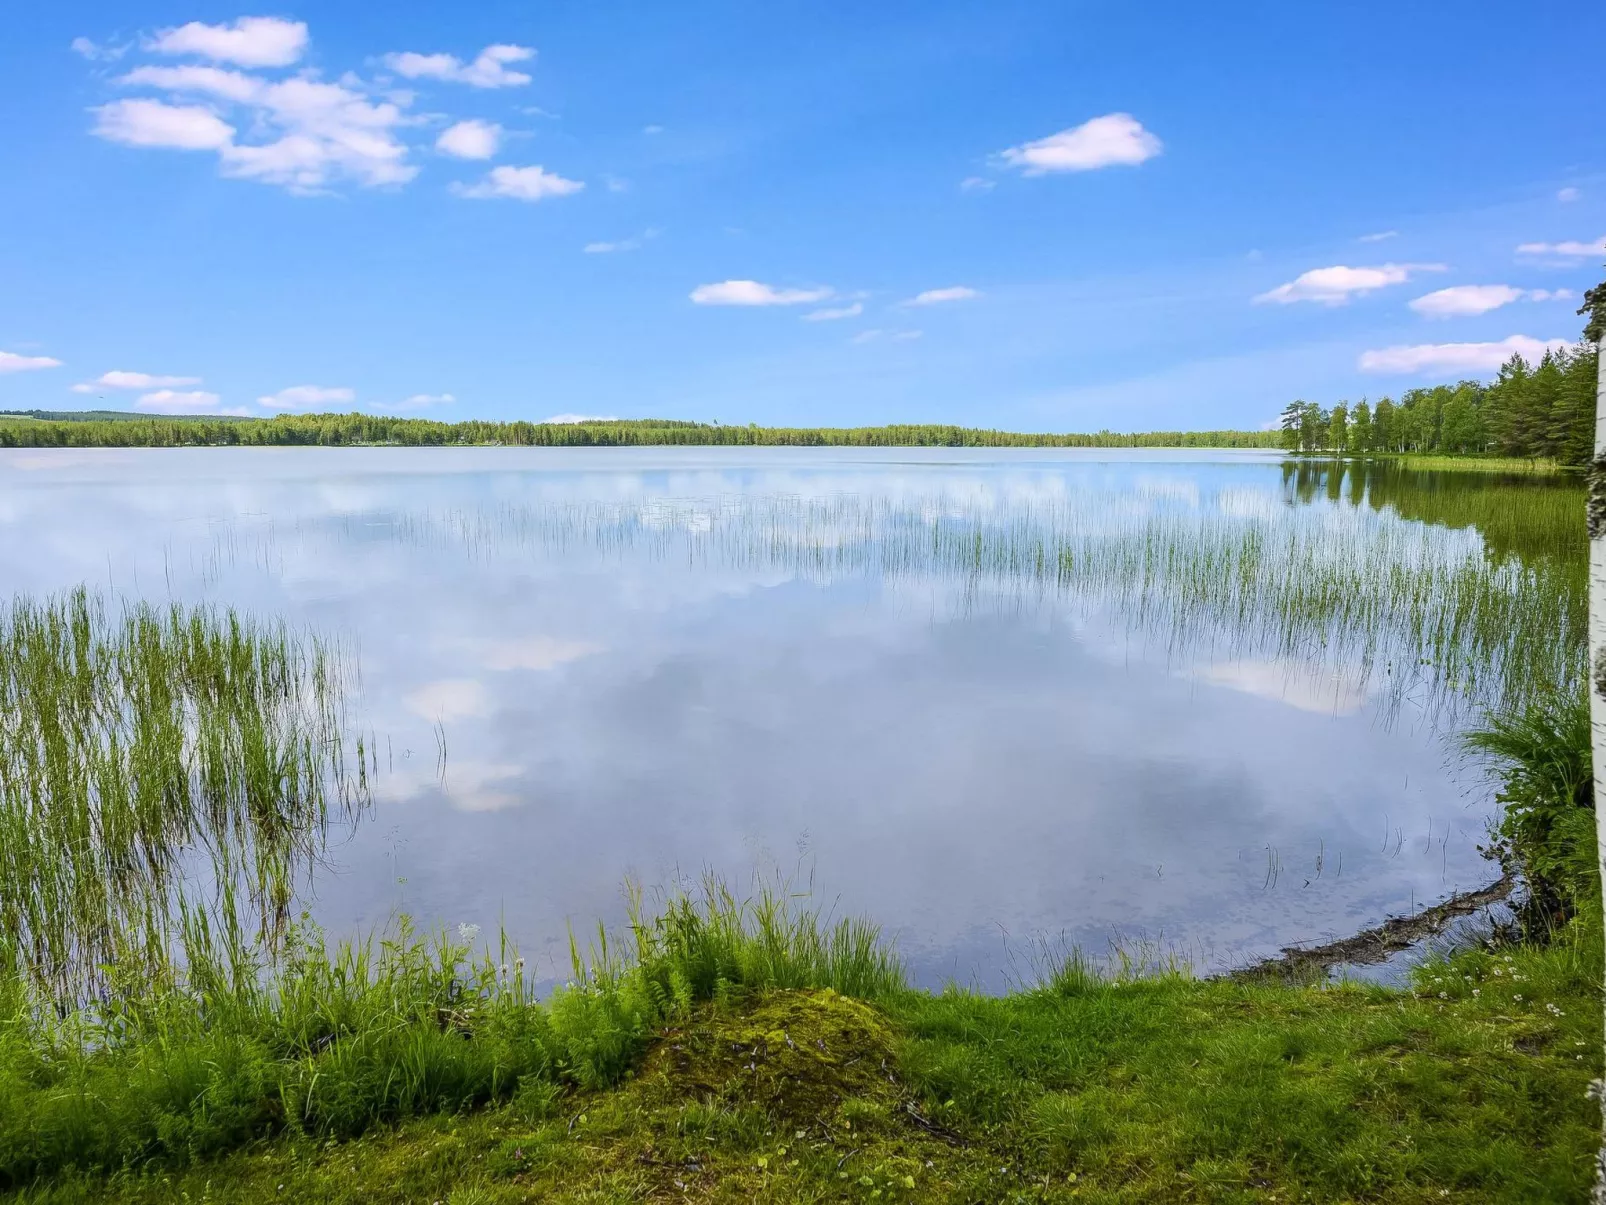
<point x="997" y="701"/>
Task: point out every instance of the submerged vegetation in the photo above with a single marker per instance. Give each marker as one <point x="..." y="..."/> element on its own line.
<point x="62" y="429"/>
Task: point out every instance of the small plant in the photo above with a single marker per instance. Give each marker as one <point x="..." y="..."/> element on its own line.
<point x="1541" y="753"/>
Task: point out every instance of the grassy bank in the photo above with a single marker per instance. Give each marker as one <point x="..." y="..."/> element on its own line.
<point x="723" y="1065"/>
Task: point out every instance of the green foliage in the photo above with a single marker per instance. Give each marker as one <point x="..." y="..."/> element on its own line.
<point x="1531" y="412"/>
<point x="1541" y="753"/>
<point x="353" y="429"/>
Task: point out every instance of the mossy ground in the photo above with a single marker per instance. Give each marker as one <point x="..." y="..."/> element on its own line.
<point x="1472" y="1088"/>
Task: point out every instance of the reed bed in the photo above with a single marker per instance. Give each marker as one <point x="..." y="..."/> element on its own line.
<point x="1409" y="598"/>
<point x="161" y="770"/>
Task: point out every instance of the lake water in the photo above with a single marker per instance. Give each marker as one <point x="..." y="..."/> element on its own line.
<point x="932" y="687"/>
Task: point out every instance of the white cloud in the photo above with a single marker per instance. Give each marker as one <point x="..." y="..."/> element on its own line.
<point x="250" y="41"/>
<point x="1463" y="300"/>
<point x="1335" y="286"/>
<point x="153" y="123"/>
<point x="488" y="70"/>
<point x="751" y="292"/>
<point x="977" y="184"/>
<point x="1108" y="141"/>
<point x="10" y="361"/>
<point x="215" y="81"/>
<point x="831" y="315"/>
<point x="520" y="183"/>
<point x="1466" y="299"/>
<point x="419" y="400"/>
<point x="118" y="379"/>
<point x="1456" y="357"/>
<point x="1568" y="194"/>
<point x="938" y="296"/>
<point x="320" y="131"/>
<point x="297" y="396"/>
<point x="652" y="129"/>
<point x="581" y="418"/>
<point x="1378" y="236"/>
<point x="169" y="401"/>
<point x="470" y="139"/>
<point x="1567" y="250"/>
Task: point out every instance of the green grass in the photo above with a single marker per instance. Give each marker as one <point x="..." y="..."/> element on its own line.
<point x="1469" y="1088"/>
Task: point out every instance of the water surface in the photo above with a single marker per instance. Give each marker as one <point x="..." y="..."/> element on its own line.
<point x="989" y="698"/>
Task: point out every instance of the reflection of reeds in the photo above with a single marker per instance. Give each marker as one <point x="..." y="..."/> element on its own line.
<point x="156" y="768"/>
<point x="1400" y="607"/>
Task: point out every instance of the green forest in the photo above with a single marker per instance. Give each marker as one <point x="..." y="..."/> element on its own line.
<point x="1543" y="411"/>
<point x="56" y="429"/>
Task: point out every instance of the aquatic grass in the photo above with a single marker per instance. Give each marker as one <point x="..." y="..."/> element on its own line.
<point x="158" y="770"/>
<point x="1405" y="596"/>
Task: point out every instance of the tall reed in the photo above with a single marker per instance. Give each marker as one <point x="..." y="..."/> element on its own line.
<point x="159" y="769"/>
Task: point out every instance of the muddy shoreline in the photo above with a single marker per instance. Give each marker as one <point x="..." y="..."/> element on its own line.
<point x="1371" y="946"/>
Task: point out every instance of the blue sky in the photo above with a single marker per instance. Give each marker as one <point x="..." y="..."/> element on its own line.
<point x="1044" y="216"/>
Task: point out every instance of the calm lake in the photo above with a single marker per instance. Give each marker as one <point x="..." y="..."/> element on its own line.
<point x="990" y="699"/>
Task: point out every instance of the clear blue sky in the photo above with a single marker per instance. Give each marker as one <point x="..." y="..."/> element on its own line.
<point x="218" y="211"/>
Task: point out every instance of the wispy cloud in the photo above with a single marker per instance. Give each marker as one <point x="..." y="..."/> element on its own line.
<point x="1378" y="236"/>
<point x="1463" y="300"/>
<point x="419" y="401"/>
<point x="633" y="243"/>
<point x="1116" y="139"/>
<point x="752" y="293"/>
<point x="1456" y="357"/>
<point x="581" y="418"/>
<point x="835" y="313"/>
<point x="977" y="184"/>
<point x="298" y="397"/>
<point x="940" y="296"/>
<point x="1568" y="194"/>
<point x="533" y="183"/>
<point x="1336" y="285"/>
<point x="119" y="379"/>
<point x="11" y="361"/>
<point x="1565" y="250"/>
<point x="488" y="70"/>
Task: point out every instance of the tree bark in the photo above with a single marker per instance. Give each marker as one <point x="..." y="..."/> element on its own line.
<point x="1597" y="683"/>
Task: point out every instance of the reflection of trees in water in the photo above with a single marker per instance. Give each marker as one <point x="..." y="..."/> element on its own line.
<point x="1527" y="515"/>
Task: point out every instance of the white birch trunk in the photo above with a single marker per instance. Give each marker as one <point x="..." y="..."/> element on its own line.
<point x="1597" y="665"/>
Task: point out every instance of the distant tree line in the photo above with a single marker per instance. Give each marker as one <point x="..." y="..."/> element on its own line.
<point x="1536" y="411"/>
<point x="41" y="429"/>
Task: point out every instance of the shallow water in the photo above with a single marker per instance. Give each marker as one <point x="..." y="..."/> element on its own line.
<point x="874" y="672"/>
